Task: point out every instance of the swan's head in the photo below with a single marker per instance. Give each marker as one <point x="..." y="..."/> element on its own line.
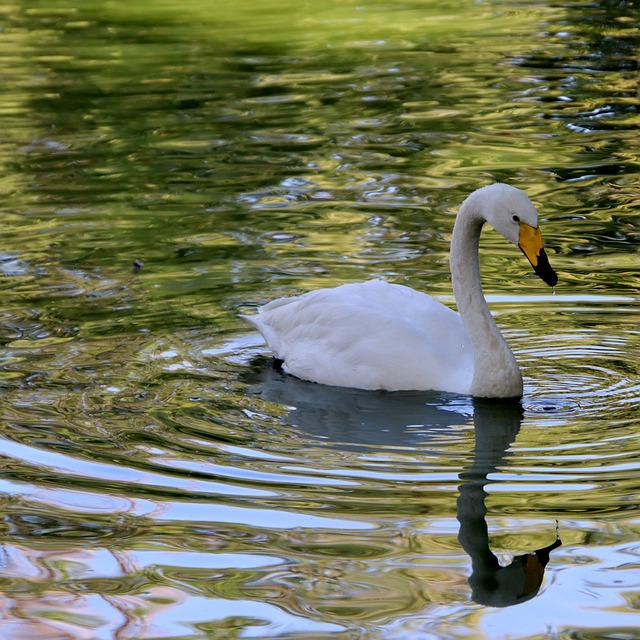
<point x="510" y="212"/>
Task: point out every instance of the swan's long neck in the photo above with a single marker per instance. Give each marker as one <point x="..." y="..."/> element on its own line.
<point x="495" y="372"/>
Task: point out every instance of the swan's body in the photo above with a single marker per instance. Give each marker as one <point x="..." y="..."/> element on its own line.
<point x="332" y="336"/>
<point x="376" y="335"/>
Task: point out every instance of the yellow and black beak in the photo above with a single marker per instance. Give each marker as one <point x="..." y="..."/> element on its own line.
<point x="530" y="242"/>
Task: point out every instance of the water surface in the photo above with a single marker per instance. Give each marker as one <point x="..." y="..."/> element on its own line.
<point x="167" y="167"/>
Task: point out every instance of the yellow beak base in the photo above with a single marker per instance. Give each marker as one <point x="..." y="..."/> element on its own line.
<point x="530" y="242"/>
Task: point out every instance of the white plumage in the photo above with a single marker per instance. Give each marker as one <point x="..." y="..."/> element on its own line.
<point x="376" y="335"/>
<point x="333" y="336"/>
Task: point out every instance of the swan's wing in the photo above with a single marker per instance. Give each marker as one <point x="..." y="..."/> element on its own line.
<point x="372" y="335"/>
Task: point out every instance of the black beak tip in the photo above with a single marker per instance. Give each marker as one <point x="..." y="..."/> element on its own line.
<point x="545" y="271"/>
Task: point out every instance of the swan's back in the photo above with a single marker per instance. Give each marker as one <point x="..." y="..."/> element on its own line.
<point x="371" y="335"/>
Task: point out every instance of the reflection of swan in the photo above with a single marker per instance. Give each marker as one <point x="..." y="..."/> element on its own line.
<point x="354" y="416"/>
<point x="346" y="418"/>
<point x="376" y="335"/>
<point x="496" y="426"/>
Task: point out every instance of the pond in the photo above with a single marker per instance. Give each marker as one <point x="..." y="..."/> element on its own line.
<point x="168" y="167"/>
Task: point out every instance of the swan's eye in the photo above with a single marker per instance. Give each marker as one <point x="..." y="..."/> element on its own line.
<point x="516" y="218"/>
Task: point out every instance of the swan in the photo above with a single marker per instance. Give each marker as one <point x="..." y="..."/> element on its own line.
<point x="381" y="336"/>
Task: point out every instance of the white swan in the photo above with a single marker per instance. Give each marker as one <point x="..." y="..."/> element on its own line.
<point x="375" y="335"/>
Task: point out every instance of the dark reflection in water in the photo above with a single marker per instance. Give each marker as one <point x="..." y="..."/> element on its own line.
<point x="350" y="418"/>
<point x="496" y="427"/>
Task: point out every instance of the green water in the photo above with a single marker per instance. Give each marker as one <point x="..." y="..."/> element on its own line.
<point x="158" y="479"/>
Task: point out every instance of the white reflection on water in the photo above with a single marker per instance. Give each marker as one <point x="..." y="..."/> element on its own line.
<point x="116" y="474"/>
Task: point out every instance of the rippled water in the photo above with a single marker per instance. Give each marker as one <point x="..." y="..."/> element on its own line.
<point x="168" y="166"/>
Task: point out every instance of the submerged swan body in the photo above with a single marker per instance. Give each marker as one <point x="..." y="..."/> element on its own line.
<point x="375" y="335"/>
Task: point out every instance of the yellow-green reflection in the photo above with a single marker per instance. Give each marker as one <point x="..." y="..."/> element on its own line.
<point x="154" y="482"/>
